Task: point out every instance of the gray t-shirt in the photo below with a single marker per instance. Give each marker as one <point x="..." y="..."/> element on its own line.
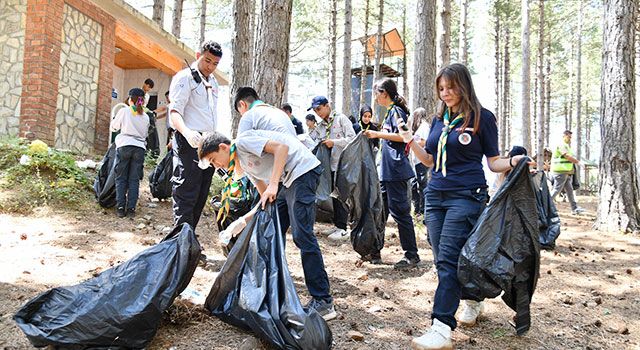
<point x="258" y="164"/>
<point x="134" y="128"/>
<point x="266" y="117"/>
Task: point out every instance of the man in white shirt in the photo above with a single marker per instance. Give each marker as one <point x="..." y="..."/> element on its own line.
<point x="193" y="111"/>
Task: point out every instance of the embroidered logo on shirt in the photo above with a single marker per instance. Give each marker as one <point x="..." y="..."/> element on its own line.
<point x="464" y="139"/>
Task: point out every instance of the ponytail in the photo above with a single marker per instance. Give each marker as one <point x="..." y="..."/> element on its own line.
<point x="402" y="103"/>
<point x="389" y="86"/>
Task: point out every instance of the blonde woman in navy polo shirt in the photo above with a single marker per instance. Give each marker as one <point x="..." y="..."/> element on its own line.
<point x="461" y="134"/>
<point x="395" y="170"/>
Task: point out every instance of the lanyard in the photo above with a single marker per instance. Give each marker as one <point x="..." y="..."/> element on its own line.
<point x="226" y="192"/>
<point x="441" y="160"/>
<point x="255" y="103"/>
<point x="329" y="125"/>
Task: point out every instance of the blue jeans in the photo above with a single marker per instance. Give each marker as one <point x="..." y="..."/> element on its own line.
<point x="129" y="167"/>
<point x="297" y="208"/>
<point x="395" y="195"/>
<point x="450" y="216"/>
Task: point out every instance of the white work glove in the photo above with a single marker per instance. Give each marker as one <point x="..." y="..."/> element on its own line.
<point x="193" y="137"/>
<point x="406" y="135"/>
<point x="234" y="229"/>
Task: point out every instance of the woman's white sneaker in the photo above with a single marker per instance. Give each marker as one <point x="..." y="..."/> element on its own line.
<point x="470" y="312"/>
<point x="438" y="337"/>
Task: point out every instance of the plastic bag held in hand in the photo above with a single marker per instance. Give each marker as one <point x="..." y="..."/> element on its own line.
<point x="404" y="132"/>
<point x="193" y="137"/>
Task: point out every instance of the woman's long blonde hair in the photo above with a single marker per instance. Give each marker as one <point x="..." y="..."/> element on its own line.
<point x="458" y="75"/>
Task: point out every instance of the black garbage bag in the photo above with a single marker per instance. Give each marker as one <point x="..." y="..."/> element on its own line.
<point x="358" y="187"/>
<point x="324" y="202"/>
<point x="104" y="184"/>
<point x="254" y="290"/>
<point x="160" y="178"/>
<point x="153" y="144"/>
<point x="549" y="220"/>
<point x="502" y="252"/>
<point x="575" y="182"/>
<point x="119" y="309"/>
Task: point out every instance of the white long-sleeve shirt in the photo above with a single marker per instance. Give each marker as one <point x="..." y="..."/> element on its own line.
<point x="134" y="128"/>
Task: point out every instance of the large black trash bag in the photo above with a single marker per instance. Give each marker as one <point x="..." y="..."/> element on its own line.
<point x="152" y="142"/>
<point x="502" y="252"/>
<point x="324" y="203"/>
<point x="160" y="178"/>
<point x="547" y="213"/>
<point x="104" y="184"/>
<point x="358" y="187"/>
<point x="122" y="307"/>
<point x="254" y="290"/>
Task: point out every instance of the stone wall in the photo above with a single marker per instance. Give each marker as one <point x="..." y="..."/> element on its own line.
<point x="78" y="82"/>
<point x="12" y="33"/>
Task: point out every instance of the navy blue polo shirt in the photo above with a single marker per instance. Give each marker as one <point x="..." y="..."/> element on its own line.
<point x="464" y="162"/>
<point x="395" y="165"/>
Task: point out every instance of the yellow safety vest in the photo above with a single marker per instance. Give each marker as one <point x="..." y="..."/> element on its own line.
<point x="560" y="164"/>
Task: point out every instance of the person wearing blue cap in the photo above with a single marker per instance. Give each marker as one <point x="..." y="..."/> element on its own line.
<point x="133" y="124"/>
<point x="335" y="130"/>
<point x="395" y="171"/>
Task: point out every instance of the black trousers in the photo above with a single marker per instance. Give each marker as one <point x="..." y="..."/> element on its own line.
<point x="190" y="183"/>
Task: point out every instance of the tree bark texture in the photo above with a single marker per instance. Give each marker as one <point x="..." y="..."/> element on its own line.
<point x="242" y="47"/>
<point x="365" y="56"/>
<point x="158" y="12"/>
<point x="270" y="70"/>
<point x="506" y="93"/>
<point x="333" y="27"/>
<point x="618" y="184"/>
<point x="579" y="89"/>
<point x="425" y="56"/>
<point x="526" y="79"/>
<point x="378" y="55"/>
<point x="497" y="73"/>
<point x="177" y="18"/>
<point x="547" y="89"/>
<point x="405" y="84"/>
<point x="464" y="42"/>
<point x="445" y="37"/>
<point x="541" y="87"/>
<point x="203" y="20"/>
<point x="346" y="66"/>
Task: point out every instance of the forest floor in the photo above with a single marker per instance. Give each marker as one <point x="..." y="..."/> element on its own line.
<point x="588" y="294"/>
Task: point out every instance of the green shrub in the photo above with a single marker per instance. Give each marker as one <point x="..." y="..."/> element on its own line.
<point x="50" y="177"/>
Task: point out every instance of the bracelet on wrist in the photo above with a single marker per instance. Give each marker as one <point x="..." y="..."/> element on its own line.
<point x="511" y="162"/>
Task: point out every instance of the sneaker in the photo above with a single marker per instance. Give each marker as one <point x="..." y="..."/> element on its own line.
<point x="120" y="212"/>
<point x="131" y="212"/>
<point x="339" y="235"/>
<point x="406" y="263"/>
<point x="438" y="337"/>
<point x="324" y="308"/>
<point x="578" y="211"/>
<point x="372" y="259"/>
<point x="470" y="312"/>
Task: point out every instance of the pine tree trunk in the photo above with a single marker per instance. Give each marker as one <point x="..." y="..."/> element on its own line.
<point x="498" y="71"/>
<point x="579" y="91"/>
<point x="333" y="27"/>
<point x="541" y="86"/>
<point x="242" y="47"/>
<point x="506" y="94"/>
<point x="405" y="84"/>
<point x="203" y="20"/>
<point x="526" y="79"/>
<point x="270" y="71"/>
<point x="365" y="57"/>
<point x="425" y="56"/>
<point x="158" y="12"/>
<point x="534" y="112"/>
<point x="445" y="37"/>
<point x="547" y="79"/>
<point x="463" y="46"/>
<point x="378" y="55"/>
<point x="587" y="131"/>
<point x="177" y="18"/>
<point x="618" y="185"/>
<point x="346" y="66"/>
<point x="571" y="84"/>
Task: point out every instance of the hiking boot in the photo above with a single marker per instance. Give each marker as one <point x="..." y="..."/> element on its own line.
<point x="339" y="235"/>
<point x="406" y="263"/>
<point x="131" y="212"/>
<point x="471" y="310"/>
<point x="578" y="211"/>
<point x="324" y="308"/>
<point x="438" y="337"/>
<point x="120" y="212"/>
